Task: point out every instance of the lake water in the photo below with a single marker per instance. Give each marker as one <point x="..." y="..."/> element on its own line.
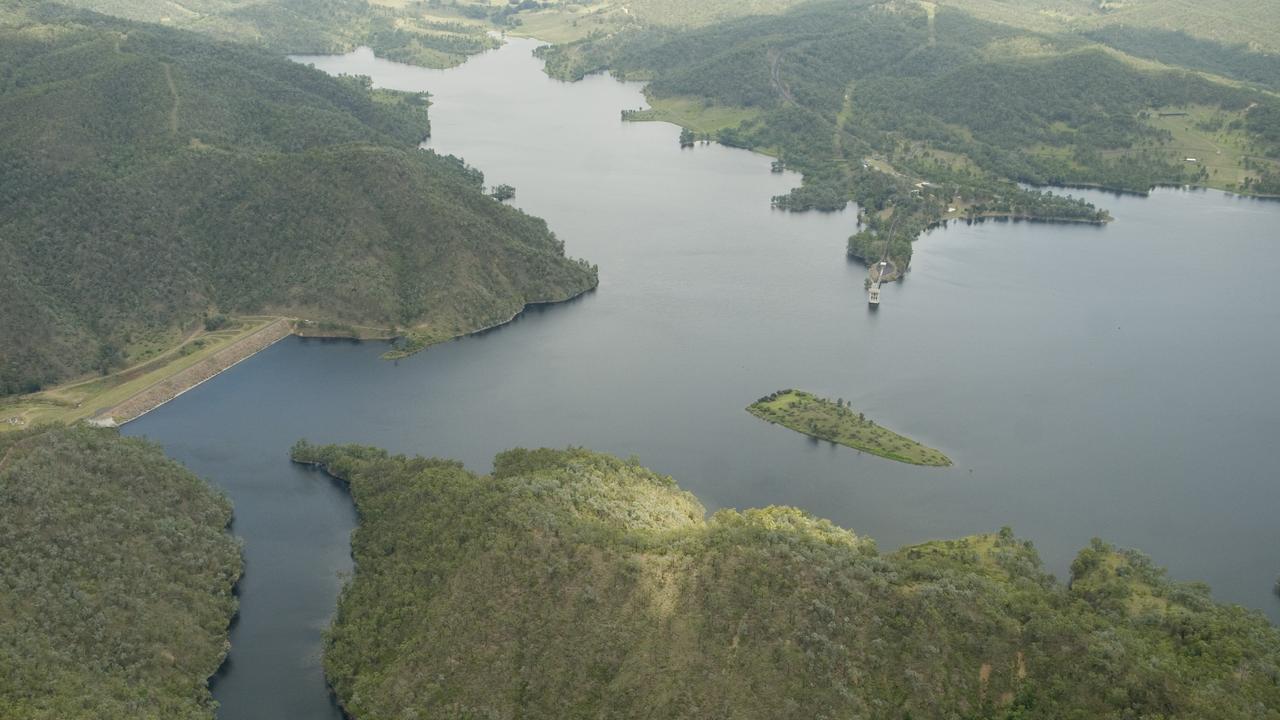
<point x="1118" y="381"/>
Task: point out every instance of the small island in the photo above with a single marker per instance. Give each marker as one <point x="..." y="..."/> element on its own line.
<point x="837" y="422"/>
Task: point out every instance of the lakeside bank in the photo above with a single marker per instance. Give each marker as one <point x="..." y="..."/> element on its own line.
<point x="119" y="398"/>
<point x="200" y="354"/>
<point x="175" y="385"/>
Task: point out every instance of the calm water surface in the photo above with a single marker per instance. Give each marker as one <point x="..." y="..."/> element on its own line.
<point x="1118" y="381"/>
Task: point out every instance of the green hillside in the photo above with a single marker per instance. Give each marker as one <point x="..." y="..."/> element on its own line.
<point x="149" y="178"/>
<point x="923" y="113"/>
<point x="569" y="584"/>
<point x="444" y="34"/>
<point x="1253" y="23"/>
<point x="116" y="573"/>
<point x="1234" y="38"/>
<point x="434" y="36"/>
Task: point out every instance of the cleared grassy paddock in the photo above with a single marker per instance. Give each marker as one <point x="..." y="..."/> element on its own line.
<point x="694" y="113"/>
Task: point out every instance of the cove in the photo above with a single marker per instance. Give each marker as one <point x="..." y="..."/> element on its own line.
<point x="1114" y="381"/>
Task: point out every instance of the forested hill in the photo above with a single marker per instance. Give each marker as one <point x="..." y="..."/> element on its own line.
<point x="920" y="108"/>
<point x="116" y="575"/>
<point x="575" y="585"/>
<point x="149" y="177"/>
<point x="1251" y="24"/>
<point x="433" y="36"/>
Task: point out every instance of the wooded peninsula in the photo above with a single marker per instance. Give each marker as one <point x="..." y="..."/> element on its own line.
<point x="923" y="113"/>
<point x="569" y="583"/>
<point x="116" y="579"/>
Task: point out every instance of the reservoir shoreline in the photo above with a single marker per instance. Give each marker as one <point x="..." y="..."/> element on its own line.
<point x="168" y="389"/>
<point x="1065" y="396"/>
<point x="173" y="387"/>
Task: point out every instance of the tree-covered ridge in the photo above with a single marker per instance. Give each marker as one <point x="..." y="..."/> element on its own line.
<point x="408" y="32"/>
<point x="116" y="579"/>
<point x="571" y="584"/>
<point x="1250" y="23"/>
<point x="1183" y="49"/>
<point x="149" y="177"/>
<point x="922" y="113"/>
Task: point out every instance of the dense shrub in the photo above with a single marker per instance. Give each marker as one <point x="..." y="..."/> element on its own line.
<point x="570" y="584"/>
<point x="116" y="575"/>
<point x="147" y="175"/>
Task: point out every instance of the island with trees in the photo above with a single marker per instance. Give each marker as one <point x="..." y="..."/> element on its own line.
<point x="571" y="584"/>
<point x="838" y="423"/>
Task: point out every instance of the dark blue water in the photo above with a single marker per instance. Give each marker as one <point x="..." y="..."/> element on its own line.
<point x="1117" y="381"/>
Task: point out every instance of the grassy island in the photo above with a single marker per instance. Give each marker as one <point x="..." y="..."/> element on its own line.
<point x="837" y="422"/>
<point x="569" y="584"/>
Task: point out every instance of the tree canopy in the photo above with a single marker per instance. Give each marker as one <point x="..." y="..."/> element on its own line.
<point x="149" y="177"/>
<point x="923" y="113"/>
<point x="116" y="575"/>
<point x="569" y="584"/>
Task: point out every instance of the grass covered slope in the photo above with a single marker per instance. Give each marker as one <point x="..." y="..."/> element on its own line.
<point x="149" y="177"/>
<point x="1249" y="23"/>
<point x="569" y="584"/>
<point x="921" y="112"/>
<point x="115" y="579"/>
<point x="408" y="32"/>
<point x="834" y="421"/>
